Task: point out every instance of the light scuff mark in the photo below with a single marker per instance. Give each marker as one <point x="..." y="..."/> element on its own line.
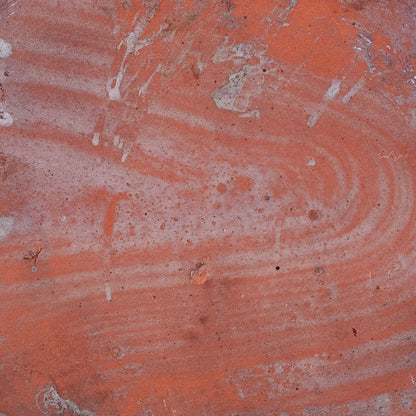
<point x="6" y="8"/>
<point x="280" y="14"/>
<point x="245" y="84"/>
<point x="251" y="114"/>
<point x="108" y="292"/>
<point x="241" y="87"/>
<point x="357" y="87"/>
<point x="228" y="97"/>
<point x="50" y="403"/>
<point x="330" y="94"/>
<point x="234" y="52"/>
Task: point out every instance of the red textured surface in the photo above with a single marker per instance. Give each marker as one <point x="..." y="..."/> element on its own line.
<point x="207" y="207"/>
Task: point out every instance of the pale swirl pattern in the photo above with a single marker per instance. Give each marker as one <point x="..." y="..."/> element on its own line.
<point x="207" y="208"/>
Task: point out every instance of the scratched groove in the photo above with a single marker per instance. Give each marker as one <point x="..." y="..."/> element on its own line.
<point x="265" y="149"/>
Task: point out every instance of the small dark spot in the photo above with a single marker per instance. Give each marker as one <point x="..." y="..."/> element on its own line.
<point x="319" y="270"/>
<point x="203" y="320"/>
<point x="245" y="17"/>
<point x="224" y="284"/>
<point x="6" y="73"/>
<point x="264" y="69"/>
<point x="154" y="297"/>
<point x="378" y="287"/>
<point x="314" y="214"/>
<point x="277" y="267"/>
<point x="266" y="197"/>
<point x="354" y="331"/>
<point x="297" y="388"/>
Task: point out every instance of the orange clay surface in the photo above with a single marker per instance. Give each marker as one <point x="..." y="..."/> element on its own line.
<point x="207" y="207"/>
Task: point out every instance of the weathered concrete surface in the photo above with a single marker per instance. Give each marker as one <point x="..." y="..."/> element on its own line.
<point x="207" y="208"/>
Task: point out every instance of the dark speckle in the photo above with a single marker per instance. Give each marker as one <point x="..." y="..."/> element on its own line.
<point x="314" y="214"/>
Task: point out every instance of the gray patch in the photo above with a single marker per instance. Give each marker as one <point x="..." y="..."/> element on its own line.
<point x="382" y="404"/>
<point x="6" y="226"/>
<point x="226" y="97"/>
<point x="5" y="49"/>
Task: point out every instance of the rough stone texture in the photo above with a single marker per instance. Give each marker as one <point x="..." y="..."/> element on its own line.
<point x="207" y="207"/>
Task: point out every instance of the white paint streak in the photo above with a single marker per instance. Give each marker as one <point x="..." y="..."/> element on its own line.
<point x="413" y="380"/>
<point x="96" y="139"/>
<point x="126" y="152"/>
<point x="314" y="118"/>
<point x="240" y="391"/>
<point x="116" y="140"/>
<point x="251" y="114"/>
<point x="114" y="92"/>
<point x="347" y="97"/>
<point x="5" y="49"/>
<point x="6" y="226"/>
<point x="49" y="402"/>
<point x="108" y="292"/>
<point x="6" y="120"/>
<point x="312" y="162"/>
<point x="330" y="94"/>
<point x="333" y="90"/>
<point x="145" y="86"/>
<point x="133" y="43"/>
